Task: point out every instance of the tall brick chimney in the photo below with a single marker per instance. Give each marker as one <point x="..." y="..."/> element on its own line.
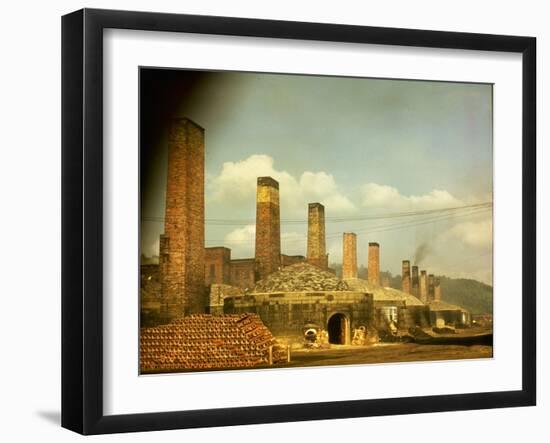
<point x="406" y="276"/>
<point x="415" y="283"/>
<point x="423" y="287"/>
<point x="431" y="288"/>
<point x="374" y="264"/>
<point x="349" y="258"/>
<point x="182" y="244"/>
<point x="268" y="227"/>
<point x="437" y="289"/>
<point x="316" y="246"/>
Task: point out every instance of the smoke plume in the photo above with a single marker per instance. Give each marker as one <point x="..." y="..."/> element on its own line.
<point x="422" y="251"/>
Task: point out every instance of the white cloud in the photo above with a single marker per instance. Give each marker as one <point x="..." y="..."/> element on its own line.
<point x="237" y="180"/>
<point x="242" y="242"/>
<point x="321" y="187"/>
<point x="476" y="234"/>
<point x="241" y="235"/>
<point x="457" y="244"/>
<point x="375" y="195"/>
<point x="236" y="185"/>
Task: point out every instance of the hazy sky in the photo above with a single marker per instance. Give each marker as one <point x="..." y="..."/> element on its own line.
<point x="362" y="147"/>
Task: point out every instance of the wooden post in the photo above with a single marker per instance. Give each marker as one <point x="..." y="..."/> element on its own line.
<point x="270" y="356"/>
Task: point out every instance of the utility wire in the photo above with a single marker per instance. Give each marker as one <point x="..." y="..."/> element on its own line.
<point x="373" y="229"/>
<point x="382" y="216"/>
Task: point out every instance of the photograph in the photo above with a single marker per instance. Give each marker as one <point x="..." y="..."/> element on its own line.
<point x="303" y="220"/>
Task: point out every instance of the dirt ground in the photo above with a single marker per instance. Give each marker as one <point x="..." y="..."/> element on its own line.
<point x="378" y="353"/>
<point x="386" y="353"/>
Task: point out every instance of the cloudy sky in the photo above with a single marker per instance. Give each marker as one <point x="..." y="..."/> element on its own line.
<point x="387" y="158"/>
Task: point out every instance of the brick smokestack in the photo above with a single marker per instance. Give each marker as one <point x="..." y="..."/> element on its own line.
<point x="349" y="261"/>
<point x="437" y="289"/>
<point x="415" y="282"/>
<point x="374" y="264"/>
<point x="316" y="245"/>
<point x="268" y="227"/>
<point x="423" y="289"/>
<point x="431" y="288"/>
<point x="385" y="281"/>
<point x="182" y="244"/>
<point x="406" y="276"/>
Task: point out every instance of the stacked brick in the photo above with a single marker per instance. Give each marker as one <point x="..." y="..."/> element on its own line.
<point x="205" y="342"/>
<point x="300" y="277"/>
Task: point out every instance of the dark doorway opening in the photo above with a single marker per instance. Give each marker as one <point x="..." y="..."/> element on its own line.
<point x="337" y="329"/>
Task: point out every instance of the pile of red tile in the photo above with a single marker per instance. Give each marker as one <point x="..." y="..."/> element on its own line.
<point x="204" y="341"/>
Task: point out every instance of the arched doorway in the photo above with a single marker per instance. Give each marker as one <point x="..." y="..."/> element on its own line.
<point x="337" y="329"/>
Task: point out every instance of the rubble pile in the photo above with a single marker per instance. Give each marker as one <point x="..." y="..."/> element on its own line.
<point x="300" y="277"/>
<point x="204" y="341"/>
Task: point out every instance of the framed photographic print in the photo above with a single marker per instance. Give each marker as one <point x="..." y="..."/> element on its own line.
<point x="309" y="220"/>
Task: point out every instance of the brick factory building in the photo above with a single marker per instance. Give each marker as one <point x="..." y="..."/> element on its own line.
<point x="287" y="294"/>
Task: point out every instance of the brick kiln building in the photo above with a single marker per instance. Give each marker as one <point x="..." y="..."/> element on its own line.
<point x="287" y="293"/>
<point x="304" y="296"/>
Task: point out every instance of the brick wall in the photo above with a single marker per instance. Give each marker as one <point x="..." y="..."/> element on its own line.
<point x="288" y="260"/>
<point x="286" y="314"/>
<point x="217" y="265"/>
<point x="242" y="273"/>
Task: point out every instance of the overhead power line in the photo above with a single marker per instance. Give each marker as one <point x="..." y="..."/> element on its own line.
<point x="342" y="219"/>
<point x="377" y="228"/>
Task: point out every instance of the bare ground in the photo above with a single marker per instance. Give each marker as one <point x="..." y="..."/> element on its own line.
<point x="387" y="353"/>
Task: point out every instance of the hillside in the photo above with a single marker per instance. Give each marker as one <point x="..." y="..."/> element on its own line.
<point x="472" y="295"/>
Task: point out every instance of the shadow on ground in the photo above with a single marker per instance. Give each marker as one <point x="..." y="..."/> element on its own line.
<point x="53" y="417"/>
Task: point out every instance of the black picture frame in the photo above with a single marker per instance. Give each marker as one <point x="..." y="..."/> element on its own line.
<point x="82" y="219"/>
